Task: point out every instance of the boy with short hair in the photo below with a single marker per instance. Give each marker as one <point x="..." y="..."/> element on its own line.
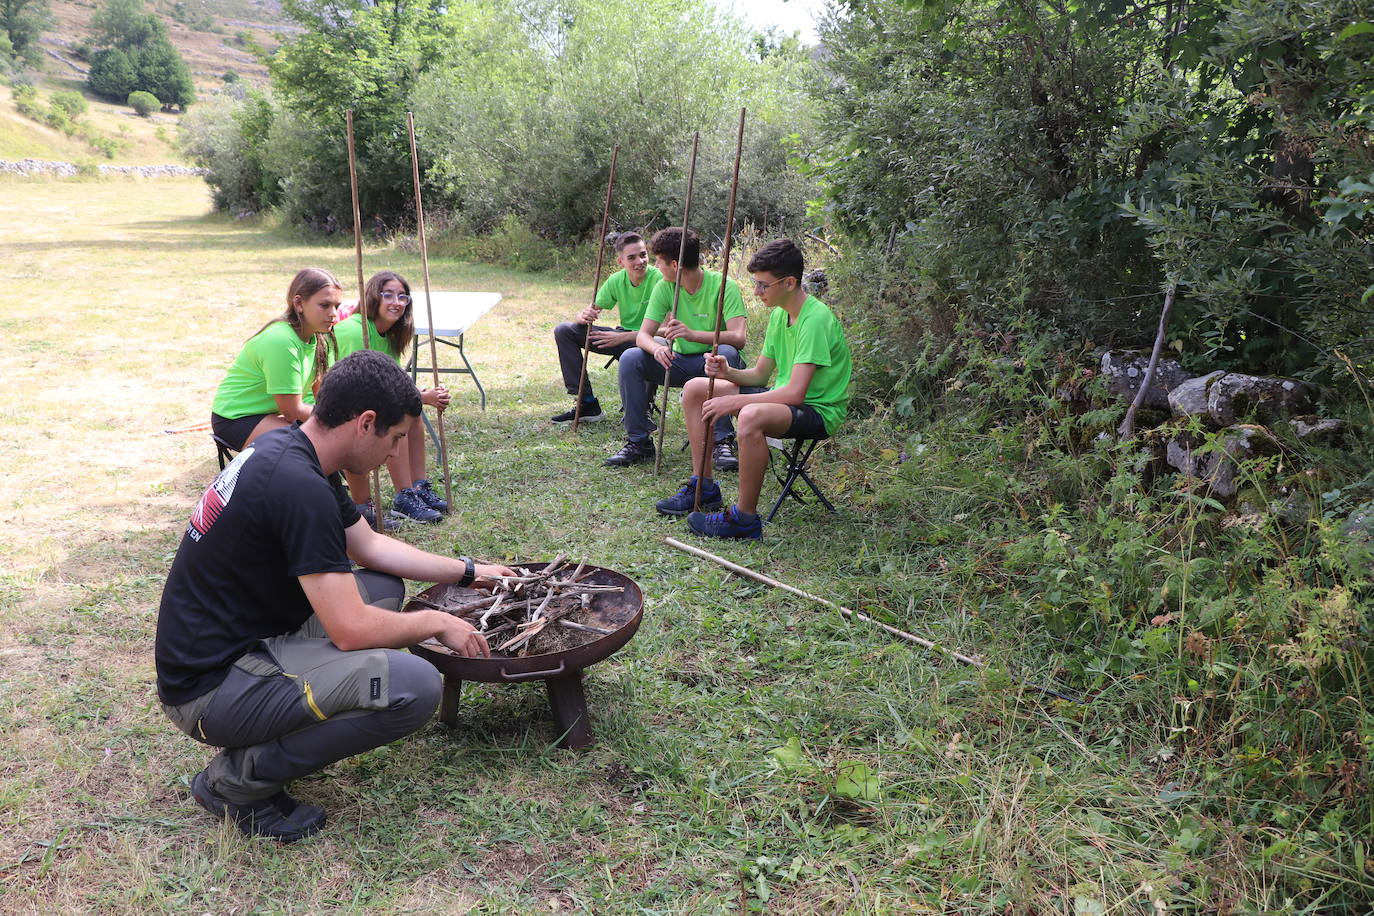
<point x="676" y="347"/>
<point x="807" y="346"/>
<point x="628" y="289"/>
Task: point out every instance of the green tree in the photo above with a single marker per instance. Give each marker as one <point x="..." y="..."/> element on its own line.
<point x="22" y="23"/>
<point x="125" y="24"/>
<point x="361" y="56"/>
<point x="113" y="74"/>
<point x="139" y="56"/>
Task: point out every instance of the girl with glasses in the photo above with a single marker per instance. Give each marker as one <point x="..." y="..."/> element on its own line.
<point x="388" y="308"/>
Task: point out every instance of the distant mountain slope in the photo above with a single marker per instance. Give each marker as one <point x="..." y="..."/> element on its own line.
<point x="214" y="36"/>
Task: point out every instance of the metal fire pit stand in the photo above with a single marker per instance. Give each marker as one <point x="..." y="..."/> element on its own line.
<point x="618" y="613"/>
<point x="567" y="702"/>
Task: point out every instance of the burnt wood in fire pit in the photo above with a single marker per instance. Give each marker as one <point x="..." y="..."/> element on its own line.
<point x="606" y="623"/>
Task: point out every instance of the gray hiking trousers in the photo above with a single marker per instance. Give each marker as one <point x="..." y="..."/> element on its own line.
<point x="296" y="703"/>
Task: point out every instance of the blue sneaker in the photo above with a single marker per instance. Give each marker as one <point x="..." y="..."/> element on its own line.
<point x="685" y="500"/>
<point x="728" y="524"/>
<point x="431" y="498"/>
<point x="409" y="504"/>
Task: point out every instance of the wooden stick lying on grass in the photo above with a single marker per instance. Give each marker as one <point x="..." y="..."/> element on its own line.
<point x="677" y="288"/>
<point x="853" y="615"/>
<point x="429" y="306"/>
<point x="596" y="285"/>
<point x="376" y="476"/>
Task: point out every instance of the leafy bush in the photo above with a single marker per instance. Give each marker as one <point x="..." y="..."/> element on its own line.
<point x="1237" y="635"/>
<point x="70" y="103"/>
<point x="145" y="103"/>
<point x="230" y="138"/>
<point x="1068" y="164"/>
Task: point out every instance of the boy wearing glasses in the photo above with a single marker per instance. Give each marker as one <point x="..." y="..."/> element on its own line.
<point x="806" y="345"/>
<point x="627" y="289"/>
<point x="677" y="347"/>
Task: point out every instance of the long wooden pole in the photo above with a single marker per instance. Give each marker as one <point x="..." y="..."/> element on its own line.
<point x="429" y="305"/>
<point x="720" y="306"/>
<point x="375" y="476"/>
<point x="854" y="615"/>
<point x="677" y="289"/>
<point x="596" y="285"/>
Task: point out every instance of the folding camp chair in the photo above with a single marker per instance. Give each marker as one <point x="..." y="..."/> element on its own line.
<point x="795" y="454"/>
<point x="223" y="451"/>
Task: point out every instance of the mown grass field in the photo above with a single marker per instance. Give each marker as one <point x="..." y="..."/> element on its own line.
<point x="755" y="753"/>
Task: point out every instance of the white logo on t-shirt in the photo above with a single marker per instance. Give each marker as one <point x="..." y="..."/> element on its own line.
<point x="217" y="496"/>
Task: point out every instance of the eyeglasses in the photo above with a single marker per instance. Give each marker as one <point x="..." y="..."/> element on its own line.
<point x="760" y="286"/>
<point x="388" y="296"/>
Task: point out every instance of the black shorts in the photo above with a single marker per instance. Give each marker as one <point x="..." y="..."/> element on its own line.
<point x="236" y="431"/>
<point x="806" y="424"/>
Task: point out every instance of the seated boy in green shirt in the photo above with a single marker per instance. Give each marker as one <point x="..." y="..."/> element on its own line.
<point x="807" y="347"/>
<point x="627" y="289"/>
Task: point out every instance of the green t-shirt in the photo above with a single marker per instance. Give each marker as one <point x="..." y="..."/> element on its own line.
<point x="273" y="361"/>
<point x="817" y="338"/>
<point x="349" y="334"/>
<point x="696" y="310"/>
<point x="632" y="300"/>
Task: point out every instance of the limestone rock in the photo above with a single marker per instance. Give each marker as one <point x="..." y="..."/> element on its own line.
<point x="1235" y="396"/>
<point x="1124" y="370"/>
<point x="1218" y="469"/>
<point x="1190" y="398"/>
<point x="1317" y="429"/>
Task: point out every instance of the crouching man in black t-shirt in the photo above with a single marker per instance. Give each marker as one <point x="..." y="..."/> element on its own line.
<point x="269" y="644"/>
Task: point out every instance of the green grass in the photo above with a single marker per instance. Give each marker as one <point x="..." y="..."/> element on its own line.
<point x="128" y="302"/>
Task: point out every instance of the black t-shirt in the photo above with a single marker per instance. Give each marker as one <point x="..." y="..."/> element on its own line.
<point x="270" y="516"/>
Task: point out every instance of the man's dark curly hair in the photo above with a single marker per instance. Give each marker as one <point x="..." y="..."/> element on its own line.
<point x="366" y="380"/>
<point x="666" y="243"/>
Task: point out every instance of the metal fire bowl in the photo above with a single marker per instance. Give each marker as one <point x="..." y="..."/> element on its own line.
<point x="619" y="612"/>
<point x="561" y="672"/>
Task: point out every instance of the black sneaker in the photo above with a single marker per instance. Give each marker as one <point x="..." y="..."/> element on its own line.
<point x="632" y="453"/>
<point x="684" y="500"/>
<point x="432" y="499"/>
<point x="280" y="817"/>
<point x="724" y="456"/>
<point x="369" y="514"/>
<point x="408" y="503"/>
<point x="591" y="413"/>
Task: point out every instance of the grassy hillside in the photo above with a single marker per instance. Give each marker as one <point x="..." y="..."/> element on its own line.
<point x="213" y="37"/>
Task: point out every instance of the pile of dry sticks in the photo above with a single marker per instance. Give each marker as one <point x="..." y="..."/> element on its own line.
<point x="532" y="613"/>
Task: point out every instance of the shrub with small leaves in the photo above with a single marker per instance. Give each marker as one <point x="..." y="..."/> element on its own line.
<point x="145" y="103"/>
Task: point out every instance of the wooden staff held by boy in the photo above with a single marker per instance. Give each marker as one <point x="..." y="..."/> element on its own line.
<point x="677" y="290"/>
<point x="720" y="298"/>
<point x="600" y="253"/>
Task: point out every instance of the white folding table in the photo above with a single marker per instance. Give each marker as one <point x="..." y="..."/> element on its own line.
<point x="454" y="314"/>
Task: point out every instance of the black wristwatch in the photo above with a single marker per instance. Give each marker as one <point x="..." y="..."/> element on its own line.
<point x="469" y="572"/>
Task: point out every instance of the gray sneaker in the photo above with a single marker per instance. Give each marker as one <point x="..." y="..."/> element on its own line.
<point x="724" y="456"/>
<point x="369" y="514"/>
